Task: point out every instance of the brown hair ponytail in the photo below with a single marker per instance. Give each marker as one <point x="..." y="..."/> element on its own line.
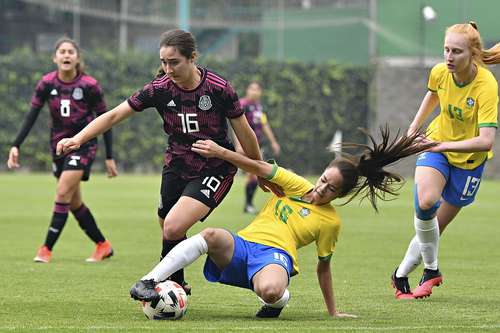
<point x="365" y="174"/>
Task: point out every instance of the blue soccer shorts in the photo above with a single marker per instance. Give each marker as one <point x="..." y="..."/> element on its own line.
<point x="461" y="184"/>
<point x="248" y="259"/>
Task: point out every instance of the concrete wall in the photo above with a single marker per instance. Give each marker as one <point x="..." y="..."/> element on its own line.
<point x="397" y="93"/>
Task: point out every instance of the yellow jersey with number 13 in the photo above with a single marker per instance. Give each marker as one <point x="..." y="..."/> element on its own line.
<point x="464" y="109"/>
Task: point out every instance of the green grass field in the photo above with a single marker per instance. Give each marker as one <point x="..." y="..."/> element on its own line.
<point x="70" y="295"/>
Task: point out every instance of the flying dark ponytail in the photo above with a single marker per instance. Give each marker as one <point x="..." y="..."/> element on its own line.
<point x="365" y="175"/>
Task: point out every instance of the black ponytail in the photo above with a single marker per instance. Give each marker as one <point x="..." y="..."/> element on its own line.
<point x="365" y="174"/>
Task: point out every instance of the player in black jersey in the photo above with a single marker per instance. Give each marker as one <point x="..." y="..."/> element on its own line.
<point x="74" y="98"/>
<point x="194" y="103"/>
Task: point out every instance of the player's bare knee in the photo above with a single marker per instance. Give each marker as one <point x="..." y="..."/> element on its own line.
<point x="210" y="235"/>
<point x="270" y="291"/>
<point x="64" y="193"/>
<point x="172" y="231"/>
<point x="426" y="202"/>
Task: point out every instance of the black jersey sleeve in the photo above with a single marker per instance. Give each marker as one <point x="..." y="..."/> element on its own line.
<point x="143" y="98"/>
<point x="29" y="121"/>
<point x="231" y="102"/>
<point x="108" y="143"/>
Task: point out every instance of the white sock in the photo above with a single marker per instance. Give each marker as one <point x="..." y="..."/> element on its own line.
<point x="279" y="303"/>
<point x="428" y="237"/>
<point x="183" y="254"/>
<point x="411" y="260"/>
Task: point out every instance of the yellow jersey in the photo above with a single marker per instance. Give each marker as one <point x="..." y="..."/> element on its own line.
<point x="289" y="223"/>
<point x="464" y="109"/>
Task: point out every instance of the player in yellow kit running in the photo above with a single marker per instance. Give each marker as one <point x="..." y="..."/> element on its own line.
<point x="263" y="256"/>
<point x="447" y="178"/>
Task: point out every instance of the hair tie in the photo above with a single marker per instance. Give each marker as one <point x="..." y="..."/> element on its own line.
<point x="473" y="24"/>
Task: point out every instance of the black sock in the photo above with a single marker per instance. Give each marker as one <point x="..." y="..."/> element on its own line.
<point x="87" y="223"/>
<point x="56" y="227"/>
<point x="250" y="191"/>
<point x="168" y="245"/>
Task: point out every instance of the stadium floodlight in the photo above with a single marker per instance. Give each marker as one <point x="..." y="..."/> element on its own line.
<point x="428" y="13"/>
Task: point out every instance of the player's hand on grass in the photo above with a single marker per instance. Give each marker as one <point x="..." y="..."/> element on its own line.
<point x="207" y="148"/>
<point x="267" y="186"/>
<point x="13" y="161"/>
<point x="343" y="315"/>
<point x="111" y="168"/>
<point x="67" y="145"/>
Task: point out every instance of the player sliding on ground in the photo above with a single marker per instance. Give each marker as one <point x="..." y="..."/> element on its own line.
<point x="263" y="256"/>
<point x="448" y="177"/>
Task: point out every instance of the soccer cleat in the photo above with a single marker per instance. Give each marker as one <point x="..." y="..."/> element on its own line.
<point x="268" y="312"/>
<point x="249" y="209"/>
<point x="144" y="290"/>
<point x="43" y="255"/>
<point x="187" y="287"/>
<point x="430" y="278"/>
<point x="102" y="251"/>
<point x="402" y="287"/>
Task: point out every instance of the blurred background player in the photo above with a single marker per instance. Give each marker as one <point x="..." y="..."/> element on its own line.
<point x="263" y="256"/>
<point x="74" y="98"/>
<point x="448" y="177"/>
<point x="252" y="106"/>
<point x="194" y="103"/>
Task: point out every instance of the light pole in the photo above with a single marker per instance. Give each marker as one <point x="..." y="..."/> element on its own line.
<point x="428" y="14"/>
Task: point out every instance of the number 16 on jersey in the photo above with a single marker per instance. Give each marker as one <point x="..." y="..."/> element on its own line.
<point x="189" y="122"/>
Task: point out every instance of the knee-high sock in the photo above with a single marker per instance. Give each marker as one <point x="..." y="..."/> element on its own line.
<point x="168" y="245"/>
<point x="87" y="223"/>
<point x="411" y="260"/>
<point x="428" y="237"/>
<point x="59" y="217"/>
<point x="279" y="303"/>
<point x="185" y="253"/>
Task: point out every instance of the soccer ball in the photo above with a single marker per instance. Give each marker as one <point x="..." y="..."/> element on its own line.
<point x="172" y="303"/>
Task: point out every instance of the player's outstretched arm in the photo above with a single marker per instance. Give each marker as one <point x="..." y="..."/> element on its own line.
<point x="325" y="283"/>
<point x="208" y="148"/>
<point x="429" y="103"/>
<point x="98" y="126"/>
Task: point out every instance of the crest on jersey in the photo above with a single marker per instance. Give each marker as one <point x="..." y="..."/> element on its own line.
<point x="77" y="94"/>
<point x="205" y="103"/>
<point x="470" y="102"/>
<point x="304" y="212"/>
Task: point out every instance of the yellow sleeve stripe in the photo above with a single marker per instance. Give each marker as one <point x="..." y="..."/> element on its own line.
<point x="488" y="125"/>
<point x="327" y="258"/>
<point x="274" y="171"/>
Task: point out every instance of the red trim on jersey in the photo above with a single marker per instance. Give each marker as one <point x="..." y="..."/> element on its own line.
<point x="216" y="83"/>
<point x="216" y="77"/>
<point x="215" y="80"/>
<point x="164" y="79"/>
